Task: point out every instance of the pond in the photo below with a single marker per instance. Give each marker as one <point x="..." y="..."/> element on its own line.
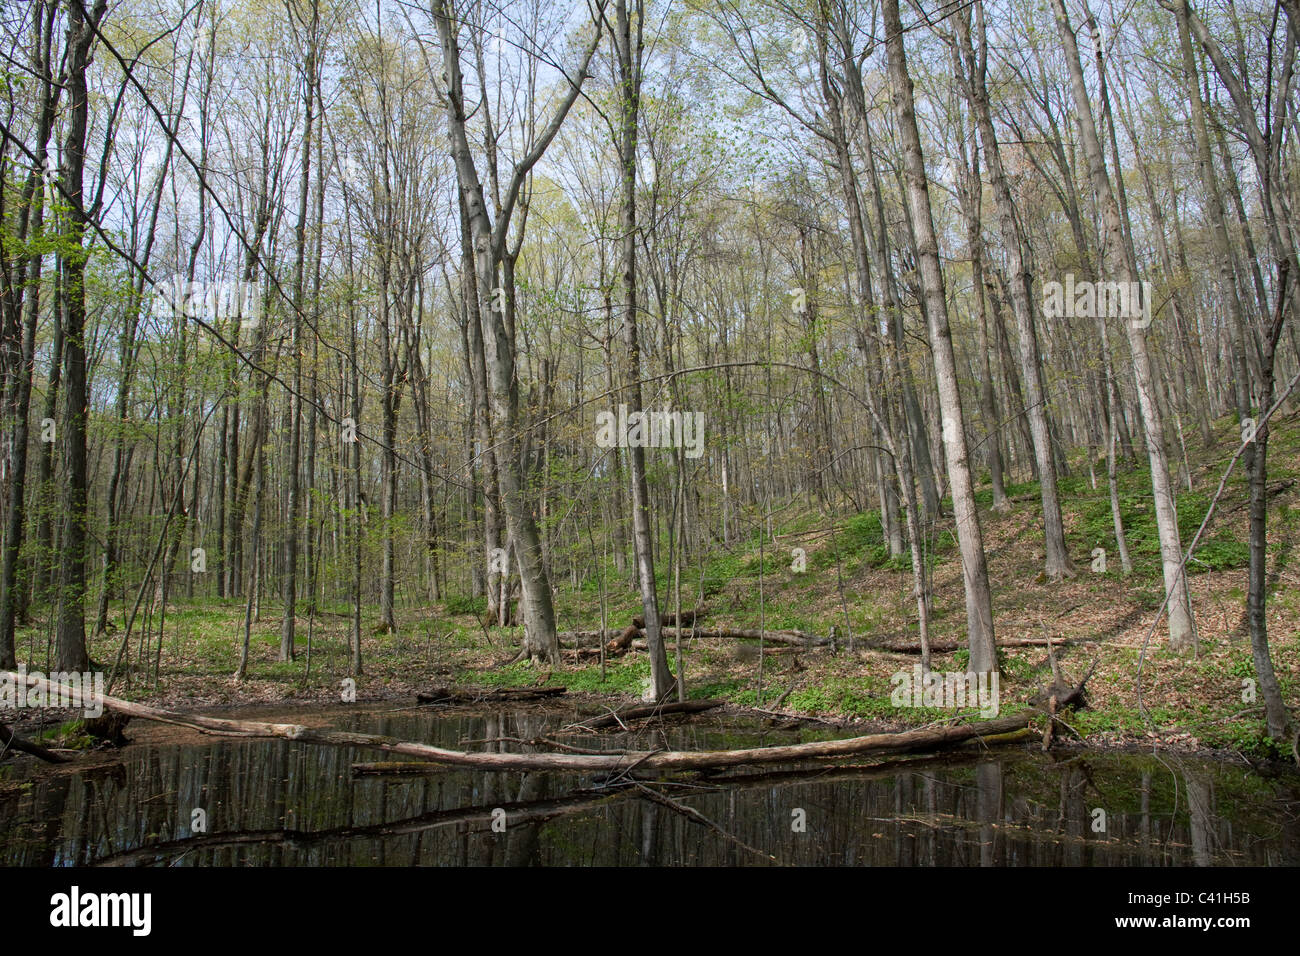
<point x="243" y="802"/>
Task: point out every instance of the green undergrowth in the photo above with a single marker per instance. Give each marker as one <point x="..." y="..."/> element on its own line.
<point x="69" y="735"/>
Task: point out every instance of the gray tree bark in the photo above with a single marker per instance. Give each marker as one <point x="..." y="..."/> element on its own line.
<point x="629" y="75"/>
<point x="489" y="239"/>
<point x="979" y="608"/>
<point x="1057" y="556"/>
<point x="1117" y="256"/>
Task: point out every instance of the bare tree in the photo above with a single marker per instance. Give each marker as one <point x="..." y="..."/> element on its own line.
<point x="979" y="608"/>
<point x="1118" y="258"/>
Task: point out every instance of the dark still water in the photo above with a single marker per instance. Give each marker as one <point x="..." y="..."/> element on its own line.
<point x="277" y="803"/>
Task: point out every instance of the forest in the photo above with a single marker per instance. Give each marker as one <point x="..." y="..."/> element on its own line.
<point x="865" y="365"/>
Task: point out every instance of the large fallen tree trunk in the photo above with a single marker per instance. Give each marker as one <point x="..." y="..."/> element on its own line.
<point x="641" y="645"/>
<point x="801" y="638"/>
<point x="616" y="640"/>
<point x="425" y="768"/>
<point x="927" y="738"/>
<point x="448" y="695"/>
<point x="1002" y="730"/>
<point x="688" y="617"/>
<point x="619" y="641"/>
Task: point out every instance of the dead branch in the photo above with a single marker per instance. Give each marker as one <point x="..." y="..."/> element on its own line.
<point x="653" y="710"/>
<point x="10" y="739"/>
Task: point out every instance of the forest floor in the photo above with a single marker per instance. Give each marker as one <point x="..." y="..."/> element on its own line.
<point x="1200" y="702"/>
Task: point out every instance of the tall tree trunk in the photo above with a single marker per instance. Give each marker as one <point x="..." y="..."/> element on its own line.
<point x="18" y="396"/>
<point x="969" y="195"/>
<point x="293" y="513"/>
<point x="489" y="241"/>
<point x="862" y="291"/>
<point x="1057" y="556"/>
<point x="46" y="583"/>
<point x="1266" y="149"/>
<point x="1275" y="710"/>
<point x="71" y="625"/>
<point x="482" y="418"/>
<point x="979" y="608"/>
<point x="915" y="420"/>
<point x="629" y="76"/>
<point x="1118" y="258"/>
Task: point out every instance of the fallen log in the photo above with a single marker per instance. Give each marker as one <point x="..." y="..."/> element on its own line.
<point x="621" y="638"/>
<point x="579" y="636"/>
<point x="910" y="740"/>
<point x="896" y="764"/>
<point x="624" y="761"/>
<point x="642" y="645"/>
<point x="653" y="710"/>
<point x="800" y="638"/>
<point x="9" y="739"/>
<point x="665" y="620"/>
<point x="948" y="647"/>
<point x="620" y="641"/>
<point x="448" y="695"/>
<point x="624" y="641"/>
<point x="424" y="768"/>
